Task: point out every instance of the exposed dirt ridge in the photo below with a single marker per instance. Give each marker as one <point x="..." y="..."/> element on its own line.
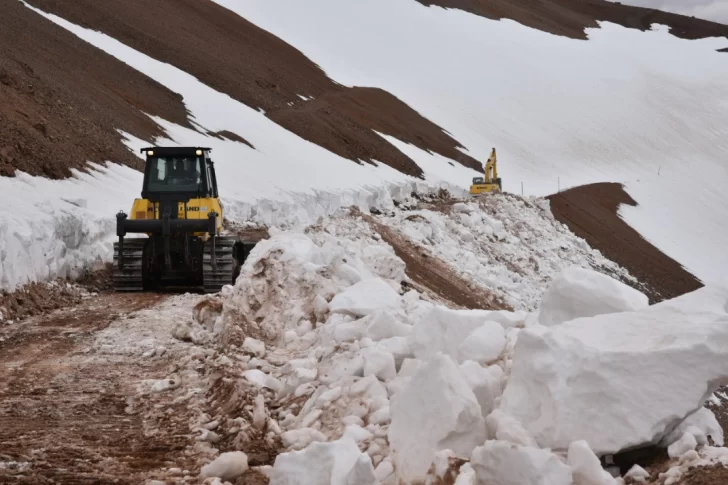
<point x="570" y="17"/>
<point x="590" y="211"/>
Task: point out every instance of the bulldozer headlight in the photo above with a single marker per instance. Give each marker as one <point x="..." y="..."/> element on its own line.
<point x="199" y="153"/>
<point x="150" y="153"/>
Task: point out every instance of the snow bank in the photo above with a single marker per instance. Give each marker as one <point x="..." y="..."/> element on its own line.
<point x="579" y="292"/>
<point x="435" y="411"/>
<point x="506" y="244"/>
<point x="589" y="378"/>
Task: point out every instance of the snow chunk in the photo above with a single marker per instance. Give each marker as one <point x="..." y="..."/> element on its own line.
<point x="301" y="438"/>
<point x="261" y="379"/>
<point x="335" y="463"/>
<point x="364" y="298"/>
<point x="443" y="330"/>
<point x="436" y="410"/>
<point x="227" y="466"/>
<point x="484" y="383"/>
<point x="701" y="424"/>
<point x="502" y="463"/>
<point x="484" y="344"/>
<point x="637" y="473"/>
<point x="589" y="378"/>
<point x="686" y="443"/>
<point x="378" y="362"/>
<point x="254" y="346"/>
<point x="462" y="208"/>
<point x="384" y="324"/>
<point x="507" y="428"/>
<point x="585" y="466"/>
<point x="579" y="292"/>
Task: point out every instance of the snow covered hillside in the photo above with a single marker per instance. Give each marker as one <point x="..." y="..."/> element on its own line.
<point x="353" y="377"/>
<point x="621" y="107"/>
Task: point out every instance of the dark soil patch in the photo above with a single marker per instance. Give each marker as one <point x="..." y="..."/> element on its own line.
<point x="36" y="299"/>
<point x="571" y="17"/>
<point x="262" y="71"/>
<point x="590" y="211"/>
<point x="717" y="475"/>
<point x="229" y="135"/>
<point x="63" y="99"/>
<point x="432" y="275"/>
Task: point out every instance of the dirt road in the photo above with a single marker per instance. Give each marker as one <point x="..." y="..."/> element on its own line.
<point x="69" y="405"/>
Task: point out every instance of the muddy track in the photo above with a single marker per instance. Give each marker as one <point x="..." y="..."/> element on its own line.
<point x="67" y="417"/>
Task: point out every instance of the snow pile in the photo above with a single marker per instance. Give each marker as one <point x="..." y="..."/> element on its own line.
<point x="507" y="244"/>
<point x="589" y="378"/>
<point x="581" y="293"/>
<point x="322" y="356"/>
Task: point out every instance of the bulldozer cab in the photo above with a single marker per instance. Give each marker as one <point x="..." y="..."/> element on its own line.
<point x="180" y="171"/>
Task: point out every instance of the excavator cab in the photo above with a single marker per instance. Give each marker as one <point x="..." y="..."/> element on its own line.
<point x="181" y="215"/>
<point x="490" y="182"/>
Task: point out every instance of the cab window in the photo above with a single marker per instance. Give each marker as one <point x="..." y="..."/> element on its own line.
<point x="175" y="174"/>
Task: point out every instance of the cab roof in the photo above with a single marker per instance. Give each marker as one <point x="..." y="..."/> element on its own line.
<point x="172" y="151"/>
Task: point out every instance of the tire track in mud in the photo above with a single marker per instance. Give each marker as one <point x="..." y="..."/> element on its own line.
<point x="67" y="417"/>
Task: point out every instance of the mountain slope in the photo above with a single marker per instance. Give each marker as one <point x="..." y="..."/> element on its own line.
<point x="625" y="106"/>
<point x="286" y="92"/>
<point x="571" y="17"/>
<point x="63" y="100"/>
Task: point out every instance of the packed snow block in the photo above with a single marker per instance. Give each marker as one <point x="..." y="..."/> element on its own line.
<point x="443" y="330"/>
<point x="503" y="463"/>
<point x="585" y="466"/>
<point x="501" y="426"/>
<point x="589" y="378"/>
<point x="378" y="362"/>
<point x="579" y="292"/>
<point x="484" y="344"/>
<point x="384" y="324"/>
<point x="227" y="466"/>
<point x="484" y="383"/>
<point x="686" y="443"/>
<point x="701" y="424"/>
<point x="364" y="298"/>
<point x="436" y="410"/>
<point x="335" y="463"/>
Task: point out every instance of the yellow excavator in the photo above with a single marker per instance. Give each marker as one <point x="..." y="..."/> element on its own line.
<point x="491" y="182"/>
<point x="181" y="215"/>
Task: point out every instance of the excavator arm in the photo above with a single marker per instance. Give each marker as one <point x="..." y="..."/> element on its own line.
<point x="491" y="169"/>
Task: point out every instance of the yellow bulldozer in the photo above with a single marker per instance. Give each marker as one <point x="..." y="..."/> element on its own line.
<point x="182" y="217"/>
<point x="491" y="182"/>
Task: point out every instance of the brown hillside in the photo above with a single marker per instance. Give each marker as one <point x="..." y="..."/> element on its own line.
<point x="253" y="66"/>
<point x="62" y="100"/>
<point x="571" y="17"/>
<point x="590" y="211"/>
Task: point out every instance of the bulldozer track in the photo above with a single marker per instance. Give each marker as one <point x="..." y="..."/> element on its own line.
<point x="131" y="278"/>
<point x="214" y="278"/>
